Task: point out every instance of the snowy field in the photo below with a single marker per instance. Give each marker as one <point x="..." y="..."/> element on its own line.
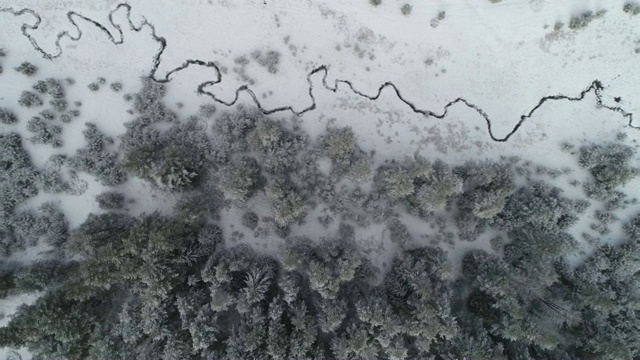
<point x="450" y="80"/>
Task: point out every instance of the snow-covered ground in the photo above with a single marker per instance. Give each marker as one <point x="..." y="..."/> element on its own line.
<point x="477" y="67"/>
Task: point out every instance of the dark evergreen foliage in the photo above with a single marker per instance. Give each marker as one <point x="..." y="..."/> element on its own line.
<point x="29" y="99"/>
<point x="171" y="286"/>
<point x="7" y="116"/>
<point x="27" y="69"/>
<point x="18" y="182"/>
<point x="110" y="200"/>
<point x="96" y="160"/>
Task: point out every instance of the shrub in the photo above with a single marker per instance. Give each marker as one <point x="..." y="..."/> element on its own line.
<point x="55" y="88"/>
<point x="581" y="21"/>
<point x="609" y="165"/>
<point x="29" y="99"/>
<point x="95" y="160"/>
<point x="631" y="8"/>
<point x="269" y="60"/>
<point x="250" y="220"/>
<point x="44" y="133"/>
<point x="40" y="86"/>
<point x="27" y="69"/>
<point x="65" y="118"/>
<point x="116" y="86"/>
<point x="375" y="2"/>
<point x="110" y="200"/>
<point x="59" y="105"/>
<point x="406" y="9"/>
<point x="93" y="87"/>
<point x="7" y="116"/>
<point x="48" y="115"/>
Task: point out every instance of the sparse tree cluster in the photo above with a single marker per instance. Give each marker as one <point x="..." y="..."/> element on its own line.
<point x="171" y="286"/>
<point x="97" y="160"/>
<point x="423" y="186"/>
<point x="610" y="166"/>
<point x="18" y="182"/>
<point x="541" y="206"/>
<point x="340" y="145"/>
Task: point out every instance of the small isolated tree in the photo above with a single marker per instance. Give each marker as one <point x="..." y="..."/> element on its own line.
<point x="340" y="145"/>
<point x="44" y="132"/>
<point x="610" y="166"/>
<point x="406" y="9"/>
<point x="7" y="116"/>
<point x="27" y="68"/>
<point x="631" y="8"/>
<point x="250" y="220"/>
<point x="55" y="88"/>
<point x="29" y="99"/>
